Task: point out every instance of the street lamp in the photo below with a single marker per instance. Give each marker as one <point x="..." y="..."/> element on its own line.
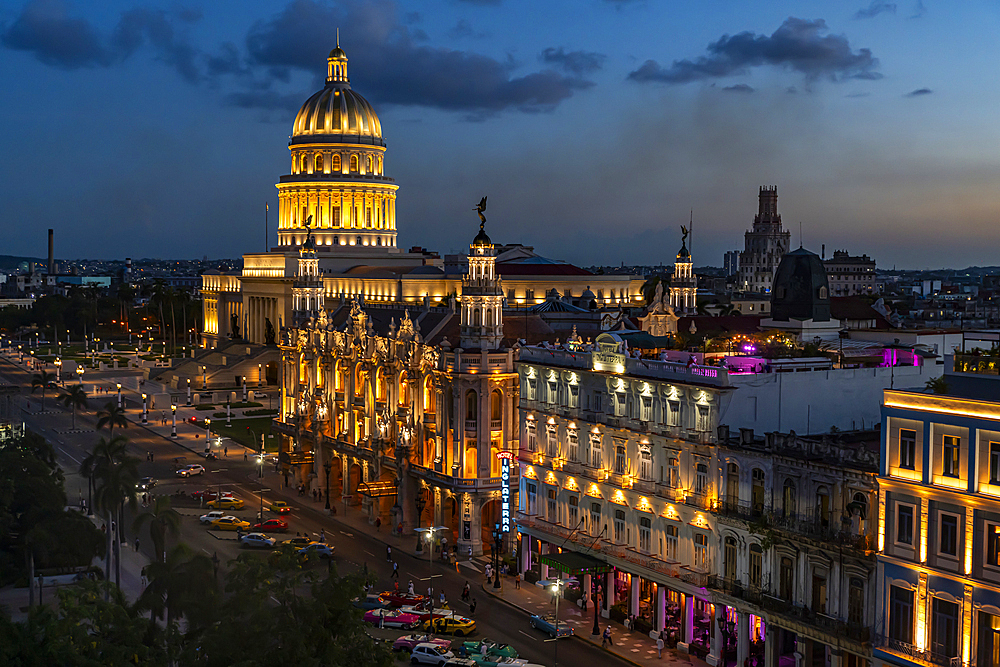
<point x="145" y="420"/>
<point x="79" y="374"/>
<point x="208" y="433"/>
<point x="173" y="426"/>
<point x="229" y="414"/>
<point x="189" y="392"/>
<point x="327" y="466"/>
<point x="204" y="378"/>
<point x="556" y="589"/>
<point x="58" y="363"/>
<point x="120" y="395"/>
<point x="260" y="375"/>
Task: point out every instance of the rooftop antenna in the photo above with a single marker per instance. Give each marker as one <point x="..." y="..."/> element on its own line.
<point x="338" y="38"/>
<point x="800" y="233"/>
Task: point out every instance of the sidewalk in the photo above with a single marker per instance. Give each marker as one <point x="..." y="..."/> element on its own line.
<point x="634" y="647"/>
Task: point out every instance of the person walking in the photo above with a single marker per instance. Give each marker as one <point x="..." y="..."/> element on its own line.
<point x="388" y="554"/>
<point x="395" y="570"/>
<point x="225" y="451"/>
<point x="606" y="638"/>
<point x="409" y="587"/>
<point x="472" y="607"/>
<point x="322" y="536"/>
<point x="378" y="524"/>
<point x="465" y="592"/>
<point x="244" y="454"/>
<point x="517" y="581"/>
<point x="137" y="545"/>
<point x="395" y="585"/>
<point x="659" y="647"/>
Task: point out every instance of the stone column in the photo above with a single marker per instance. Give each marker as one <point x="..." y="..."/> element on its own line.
<point x="714" y="656"/>
<point x="770" y="645"/>
<point x="543" y="569"/>
<point x="525" y="553"/>
<point x="800" y="651"/>
<point x="687" y="623"/>
<point x="608" y="594"/>
<point x="836" y="657"/>
<point x="742" y="637"/>
<point x="634" y="597"/>
<point x="661" y="606"/>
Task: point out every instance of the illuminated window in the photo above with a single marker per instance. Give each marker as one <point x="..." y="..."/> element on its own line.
<point x="596" y="451"/>
<point x="335" y="218"/>
<point x="671" y="543"/>
<point x="995" y="463"/>
<point x="529" y="429"/>
<point x="944" y="628"/>
<point x="354" y="163"/>
<point x="573" y="438"/>
<point x="318" y="167"/>
<point x="620" y="526"/>
<point x="644" y="534"/>
<point x="620" y="460"/>
<point x="700" y="551"/>
<point x="904" y="524"/>
<point x="993" y="544"/>
<point x="550" y="515"/>
<point x="336" y="163"/>
<point x="368" y="164"/>
<point x="595" y="519"/>
<point x="701" y="479"/>
<point x="908" y="449"/>
<point x="948" y="527"/>
<point x="645" y="464"/>
<point x="673" y="472"/>
<point x="574" y="511"/>
<point x="950" y="460"/>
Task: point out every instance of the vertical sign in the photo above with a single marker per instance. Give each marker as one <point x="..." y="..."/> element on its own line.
<point x="505" y="459"/>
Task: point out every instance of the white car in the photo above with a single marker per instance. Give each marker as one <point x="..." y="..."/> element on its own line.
<point x="430" y="654"/>
<point x="211" y="516"/>
<point x="259" y="540"/>
<point x="193" y="469"/>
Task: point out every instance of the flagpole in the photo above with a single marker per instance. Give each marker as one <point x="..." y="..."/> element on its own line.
<point x="266" y="235"/>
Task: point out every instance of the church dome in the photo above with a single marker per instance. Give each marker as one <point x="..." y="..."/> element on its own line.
<point x="482" y="240"/>
<point x="800" y="290"/>
<point x="336" y="113"/>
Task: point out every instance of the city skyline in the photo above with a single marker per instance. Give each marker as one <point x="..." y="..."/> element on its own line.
<point x="149" y="130"/>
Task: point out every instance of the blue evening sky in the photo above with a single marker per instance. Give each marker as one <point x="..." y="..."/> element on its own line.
<point x="595" y="126"/>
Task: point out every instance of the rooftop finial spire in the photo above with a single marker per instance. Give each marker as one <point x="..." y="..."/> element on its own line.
<point x="338" y="38"/>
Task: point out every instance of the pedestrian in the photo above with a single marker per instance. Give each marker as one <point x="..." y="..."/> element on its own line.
<point x="430" y="594"/>
<point x="143" y="580"/>
<point x="395" y="583"/>
<point x="388" y="553"/>
<point x="409" y="587"/>
<point x="659" y="647"/>
<point x="627" y="622"/>
<point x="297" y="534"/>
<point x="395" y="570"/>
<point x="465" y="592"/>
<point x="322" y="535"/>
<point x="606" y="639"/>
<point x="137" y="545"/>
<point x="378" y="524"/>
<point x="225" y="451"/>
<point x="442" y="599"/>
<point x="470" y="552"/>
<point x="244" y="455"/>
<point x="381" y="618"/>
<point x="517" y="581"/>
<point x="583" y="603"/>
<point x="472" y="606"/>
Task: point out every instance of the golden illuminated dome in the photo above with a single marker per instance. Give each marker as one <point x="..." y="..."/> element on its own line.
<point x="336" y="113"/>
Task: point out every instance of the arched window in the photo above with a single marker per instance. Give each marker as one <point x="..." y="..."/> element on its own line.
<point x="430" y="396"/>
<point x="368" y="164"/>
<point x="757" y="490"/>
<point x="731" y="556"/>
<point x="354" y="163"/>
<point x="496" y="407"/>
<point x="733" y="483"/>
<point x="823" y="506"/>
<point x="318" y="164"/>
<point x="471" y="405"/>
<point x="788" y="499"/>
<point x="336" y="163"/>
<point x="336" y="241"/>
<point x="860" y="501"/>
<point x="378" y="240"/>
<point x="359" y="240"/>
<point x="756" y="568"/>
<point x="476" y="317"/>
<point x="380" y="166"/>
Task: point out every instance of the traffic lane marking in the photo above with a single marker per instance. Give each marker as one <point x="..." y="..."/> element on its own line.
<point x="534" y="639"/>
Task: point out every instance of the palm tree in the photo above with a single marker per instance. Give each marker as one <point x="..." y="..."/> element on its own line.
<point x="116" y="482"/>
<point x="162" y="519"/>
<point x="183" y="585"/>
<point x="105" y="454"/>
<point x="111" y="416"/>
<point x="42" y="380"/>
<point x="74" y="397"/>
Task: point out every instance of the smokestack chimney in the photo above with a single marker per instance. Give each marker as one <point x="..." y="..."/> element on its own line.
<point x="823" y="251"/>
<point x="52" y="262"/>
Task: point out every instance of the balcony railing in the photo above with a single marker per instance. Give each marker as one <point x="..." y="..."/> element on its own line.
<point x="699" y="500"/>
<point x="430" y="418"/>
<point x="496" y="424"/>
<point x="821" y="621"/>
<point x="743" y="509"/>
<point x="731" y="586"/>
<point x="468" y="483"/>
<point x="827" y="529"/>
<point x="910" y="651"/>
<point x="471" y="424"/>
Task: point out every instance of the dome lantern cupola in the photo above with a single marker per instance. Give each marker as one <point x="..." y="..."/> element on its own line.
<point x="336" y="67"/>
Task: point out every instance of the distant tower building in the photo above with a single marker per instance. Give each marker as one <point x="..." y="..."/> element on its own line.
<point x="683" y="285"/>
<point x="482" y="297"/>
<point x="731" y="262"/>
<point x="307" y="290"/>
<point x="766" y="244"/>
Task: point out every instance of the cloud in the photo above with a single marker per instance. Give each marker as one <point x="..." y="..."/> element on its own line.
<point x="919" y="92"/>
<point x="45" y="29"/>
<point x="739" y="88"/>
<point x="918" y="10"/>
<point x="874" y="9"/>
<point x="463" y="29"/>
<point x="574" y="62"/>
<point x="394" y="68"/>
<point x="798" y="44"/>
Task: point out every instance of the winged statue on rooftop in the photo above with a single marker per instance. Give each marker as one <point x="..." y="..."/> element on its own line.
<point x="480" y="208"/>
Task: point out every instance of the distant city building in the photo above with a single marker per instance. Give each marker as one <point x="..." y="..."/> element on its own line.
<point x="800" y="301"/>
<point x="683" y="284"/>
<point x="766" y="244"/>
<point x="731" y="262"/>
<point x="849" y="275"/>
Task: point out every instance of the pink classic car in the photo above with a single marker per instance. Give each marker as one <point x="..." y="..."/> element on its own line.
<point x="391" y="618"/>
<point x="407" y="642"/>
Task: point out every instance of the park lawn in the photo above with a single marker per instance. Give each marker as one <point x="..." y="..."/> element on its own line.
<point x="238" y="432"/>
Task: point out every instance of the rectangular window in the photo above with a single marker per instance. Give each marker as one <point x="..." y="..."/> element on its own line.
<point x="949" y="535"/>
<point x="944" y="628"/>
<point x="596" y="459"/>
<point x="704" y="421"/>
<point x="904" y="524"/>
<point x="551" y="440"/>
<point x="532" y="503"/>
<point x="950" y="460"/>
<point x="673" y="413"/>
<point x="620" y="526"/>
<point x="993" y="544"/>
<point x="529" y="433"/>
<point x="553" y="390"/>
<point x="701" y="551"/>
<point x="856" y="602"/>
<point x="645" y="464"/>
<point x="620" y="459"/>
<point x="644" y="534"/>
<point x="907" y="448"/>
<point x="786" y="581"/>
<point x="647" y="409"/>
<point x="901" y="614"/>
<point x="671" y="552"/>
<point x="574" y="511"/>
<point x="756" y="565"/>
<point x="597" y="402"/>
<point x="701" y="479"/>
<point x="995" y="463"/>
<point x="574" y="396"/>
<point x="530" y="386"/>
<point x="573" y="438"/>
<point x="619" y="398"/>
<point x="551" y="507"/>
<point x="595" y="519"/>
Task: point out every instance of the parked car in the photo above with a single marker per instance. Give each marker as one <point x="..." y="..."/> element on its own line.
<point x="402" y="598"/>
<point x="272" y="525"/>
<point x="492" y="648"/>
<point x="193" y="469"/>
<point x="211" y="516"/>
<point x="280" y="507"/>
<point x="547" y="623"/>
<point x="230" y="523"/>
<point x="391" y="618"/>
<point x="226" y="503"/>
<point x="315" y="550"/>
<point x="430" y="654"/>
<point x="496" y="661"/>
<point x="460" y="662"/>
<point x="145" y="484"/>
<point x="210" y="494"/>
<point x="371" y="601"/>
<point x="460" y="626"/>
<point x="408" y="642"/>
<point x="426" y="613"/>
<point x="298" y="541"/>
<point x="259" y="540"/>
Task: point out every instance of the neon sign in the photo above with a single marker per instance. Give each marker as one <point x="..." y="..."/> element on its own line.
<point x="505" y="459"/>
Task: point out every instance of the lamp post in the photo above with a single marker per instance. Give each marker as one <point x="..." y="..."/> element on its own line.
<point x="79" y="374"/>
<point x="244" y="382"/>
<point x="327" y="466"/>
<point x="557" y="592"/>
<point x="145" y="412"/>
<point x="120" y="395"/>
<point x="173" y="426"/>
<point x="189" y="392"/>
<point x="204" y="378"/>
<point x="229" y="414"/>
<point x="58" y="363"/>
<point x="260" y="375"/>
<point x="497" y="542"/>
<point x="208" y="433"/>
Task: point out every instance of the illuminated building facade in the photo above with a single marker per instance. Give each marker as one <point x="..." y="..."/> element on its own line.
<point x="939" y="563"/>
<point x="409" y="426"/>
<point x="683" y="284"/>
<point x="764" y="245"/>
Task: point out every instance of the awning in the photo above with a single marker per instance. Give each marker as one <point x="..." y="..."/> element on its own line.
<point x="377" y="489"/>
<point x="571" y="562"/>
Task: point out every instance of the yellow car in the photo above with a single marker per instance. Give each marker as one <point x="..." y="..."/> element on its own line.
<point x="280" y="507"/>
<point x="226" y="504"/>
<point x="230" y="523"/>
<point x="460" y="626"/>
